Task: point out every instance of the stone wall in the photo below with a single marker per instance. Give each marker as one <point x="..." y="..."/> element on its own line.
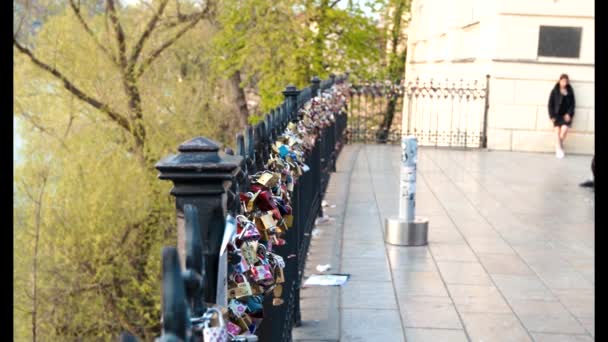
<point x="501" y="38"/>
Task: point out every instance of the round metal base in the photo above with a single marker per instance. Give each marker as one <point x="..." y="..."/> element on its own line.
<point x="399" y="232"/>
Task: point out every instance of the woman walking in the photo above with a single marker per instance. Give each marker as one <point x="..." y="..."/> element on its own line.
<point x="561" y="111"/>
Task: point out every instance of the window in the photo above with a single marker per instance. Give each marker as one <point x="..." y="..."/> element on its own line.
<point x="559" y="41"/>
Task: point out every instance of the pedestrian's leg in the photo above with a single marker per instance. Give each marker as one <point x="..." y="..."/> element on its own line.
<point x="559" y="147"/>
<point x="562" y="133"/>
<point x="563" y="130"/>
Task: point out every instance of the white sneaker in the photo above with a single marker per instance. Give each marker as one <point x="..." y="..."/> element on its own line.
<point x="559" y="153"/>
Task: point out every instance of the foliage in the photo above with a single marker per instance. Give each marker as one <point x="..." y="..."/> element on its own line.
<point x="275" y="43"/>
<point x="104" y="215"/>
<point x="103" y="92"/>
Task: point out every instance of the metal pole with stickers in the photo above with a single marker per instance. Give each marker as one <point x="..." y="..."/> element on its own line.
<point x="407" y="229"/>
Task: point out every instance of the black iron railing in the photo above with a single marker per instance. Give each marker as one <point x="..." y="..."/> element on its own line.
<point x="207" y="185"/>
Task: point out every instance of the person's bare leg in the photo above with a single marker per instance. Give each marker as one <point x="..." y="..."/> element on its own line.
<point x="558" y="142"/>
<point x="563" y="130"/>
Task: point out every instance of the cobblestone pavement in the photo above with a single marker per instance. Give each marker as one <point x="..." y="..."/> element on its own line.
<point x="510" y="254"/>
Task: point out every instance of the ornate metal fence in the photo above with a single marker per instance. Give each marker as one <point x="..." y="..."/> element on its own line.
<point x="368" y="106"/>
<point x="207" y="185"/>
<point x="439" y="113"/>
<point x="447" y="113"/>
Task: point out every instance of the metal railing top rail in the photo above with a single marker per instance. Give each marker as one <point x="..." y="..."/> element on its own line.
<point x="473" y="88"/>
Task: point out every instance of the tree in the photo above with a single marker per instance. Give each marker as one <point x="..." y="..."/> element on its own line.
<point x="272" y="44"/>
<point x="259" y="41"/>
<point x="397" y="11"/>
<point x="103" y="93"/>
<point x="102" y="97"/>
<point x="130" y="64"/>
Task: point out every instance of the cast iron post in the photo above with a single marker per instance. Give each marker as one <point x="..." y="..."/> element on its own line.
<point x="291" y="96"/>
<point x="202" y="176"/>
<point x="315" y="83"/>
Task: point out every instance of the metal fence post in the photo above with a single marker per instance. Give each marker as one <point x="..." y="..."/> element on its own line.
<point x="484" y="141"/>
<point x="315" y="84"/>
<point x="407" y="229"/>
<point x="291" y="97"/>
<point x="202" y="177"/>
<point x="174" y="311"/>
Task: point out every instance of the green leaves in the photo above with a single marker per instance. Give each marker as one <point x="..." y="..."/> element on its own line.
<point x="104" y="213"/>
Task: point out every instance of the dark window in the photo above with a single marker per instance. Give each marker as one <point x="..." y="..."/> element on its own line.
<point x="558" y="41"/>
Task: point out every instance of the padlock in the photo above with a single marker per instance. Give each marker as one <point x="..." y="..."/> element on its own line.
<point x="249" y="251"/>
<point x="261" y="229"/>
<point x="254" y="187"/>
<point x="281" y="205"/>
<point x="265" y="179"/>
<point x="243" y="321"/>
<point x="237" y="308"/>
<point x="250" y="232"/>
<point x="263" y="272"/>
<point x="283" y="151"/>
<point x="251" y="202"/>
<point x="268" y="220"/>
<point x="275" y="148"/>
<point x="242" y="266"/>
<point x="277" y="292"/>
<point x="265" y="202"/>
<point x="255" y="305"/>
<point x="276" y="260"/>
<point x="218" y="333"/>
<point x="277" y="264"/>
<point x="233" y="329"/>
<point x="289" y="184"/>
<point x="257" y="289"/>
<point x="292" y="126"/>
<point x="288" y="219"/>
<point x="277" y="301"/>
<point x="239" y="287"/>
<point x="279" y="276"/>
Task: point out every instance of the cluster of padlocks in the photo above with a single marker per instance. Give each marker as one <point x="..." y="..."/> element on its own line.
<point x="254" y="269"/>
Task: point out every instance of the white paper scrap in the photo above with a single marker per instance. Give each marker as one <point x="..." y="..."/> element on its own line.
<point x="326" y="280"/>
<point x="323" y="268"/>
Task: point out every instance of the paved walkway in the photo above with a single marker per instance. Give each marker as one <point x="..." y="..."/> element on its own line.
<point x="510" y="254"/>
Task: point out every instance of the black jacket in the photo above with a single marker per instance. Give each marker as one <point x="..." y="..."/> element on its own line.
<point x="555" y="101"/>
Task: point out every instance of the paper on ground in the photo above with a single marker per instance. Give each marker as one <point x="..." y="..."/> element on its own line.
<point x="323" y="268"/>
<point x="327" y="280"/>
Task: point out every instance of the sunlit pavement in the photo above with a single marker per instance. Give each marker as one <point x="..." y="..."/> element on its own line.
<point x="510" y="254"/>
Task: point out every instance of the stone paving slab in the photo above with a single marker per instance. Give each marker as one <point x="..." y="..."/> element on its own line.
<point x="510" y="254"/>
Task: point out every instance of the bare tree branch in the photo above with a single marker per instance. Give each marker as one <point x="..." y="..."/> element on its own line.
<point x="31" y="120"/>
<point x="149" y="28"/>
<point x="76" y="9"/>
<point x="120" y="34"/>
<point x="180" y="19"/>
<point x="146" y="63"/>
<point x="113" y="115"/>
<point x="334" y="4"/>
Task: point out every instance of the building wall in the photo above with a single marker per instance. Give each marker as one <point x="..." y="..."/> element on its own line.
<point x="500" y="38"/>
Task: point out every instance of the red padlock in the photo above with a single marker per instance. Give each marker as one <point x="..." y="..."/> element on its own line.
<point x="265" y="202"/>
<point x="257" y="187"/>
